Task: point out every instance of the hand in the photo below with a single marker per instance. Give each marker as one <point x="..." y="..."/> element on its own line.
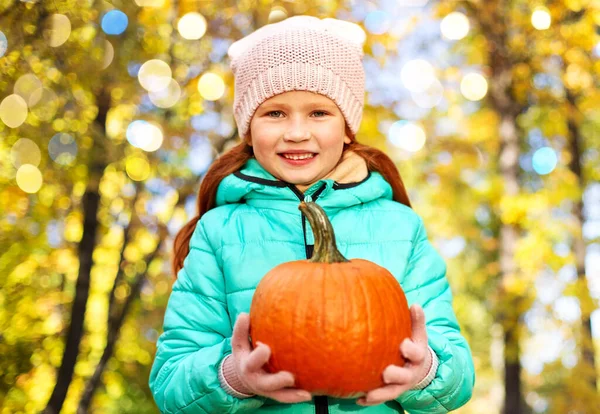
<point x="418" y="362"/>
<point x="248" y="364"/>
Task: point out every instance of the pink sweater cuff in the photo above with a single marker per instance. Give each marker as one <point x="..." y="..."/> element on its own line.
<point x="431" y="373"/>
<point x="230" y="381"/>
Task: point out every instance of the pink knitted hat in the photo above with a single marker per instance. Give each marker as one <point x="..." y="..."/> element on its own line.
<point x="301" y="53"/>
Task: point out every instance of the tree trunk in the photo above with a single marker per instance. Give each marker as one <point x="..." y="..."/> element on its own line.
<point x="90" y="206"/>
<point x="501" y="61"/>
<point x="587" y="357"/>
<point x="510" y="309"/>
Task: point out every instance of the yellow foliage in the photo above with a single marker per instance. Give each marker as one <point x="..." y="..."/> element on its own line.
<point x="114" y="389"/>
<point x="114" y="236"/>
<point x="23" y="272"/>
<point x="119" y="117"/>
<point x="578" y="78"/>
<point x="532" y="254"/>
<point x="122" y="292"/>
<point x="169" y="202"/>
<point x="516" y="285"/>
<point x="105" y="256"/>
<point x="483" y="126"/>
<point x="53" y="324"/>
<point x="145" y="241"/>
<point x="513" y="209"/>
<point x="97" y="312"/>
<point x="73" y="227"/>
<point x="79" y="187"/>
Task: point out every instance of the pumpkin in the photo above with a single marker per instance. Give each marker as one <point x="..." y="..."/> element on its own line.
<point x="334" y="323"/>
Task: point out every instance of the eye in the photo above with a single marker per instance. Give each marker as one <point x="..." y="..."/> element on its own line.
<point x="274" y="114"/>
<point x="320" y="114"/>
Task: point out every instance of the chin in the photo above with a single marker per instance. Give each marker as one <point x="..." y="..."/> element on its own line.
<point x="298" y="180"/>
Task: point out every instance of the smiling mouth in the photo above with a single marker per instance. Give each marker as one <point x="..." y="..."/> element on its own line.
<point x="298" y="156"/>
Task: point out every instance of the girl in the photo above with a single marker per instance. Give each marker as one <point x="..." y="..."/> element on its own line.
<point x="299" y="94"/>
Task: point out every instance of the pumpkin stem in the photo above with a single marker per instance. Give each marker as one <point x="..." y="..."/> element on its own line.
<point x="325" y="248"/>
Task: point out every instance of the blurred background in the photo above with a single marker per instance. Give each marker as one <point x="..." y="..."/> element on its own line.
<point x="112" y="111"/>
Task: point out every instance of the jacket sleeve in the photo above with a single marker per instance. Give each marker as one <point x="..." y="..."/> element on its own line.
<point x="425" y="283"/>
<point x="196" y="338"/>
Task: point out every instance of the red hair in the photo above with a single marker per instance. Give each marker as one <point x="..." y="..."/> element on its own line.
<point x="234" y="159"/>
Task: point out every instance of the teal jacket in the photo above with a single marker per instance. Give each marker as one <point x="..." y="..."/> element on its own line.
<point x="256" y="226"/>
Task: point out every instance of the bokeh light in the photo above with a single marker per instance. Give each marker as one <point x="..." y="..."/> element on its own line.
<point x="43" y="103"/>
<point x="62" y="148"/>
<point x="192" y="26"/>
<point x="417" y="75"/>
<point x="59" y="30"/>
<point x="544" y="160"/>
<point x="211" y="86"/>
<point x="3" y="44"/>
<point x="378" y="22"/>
<point x="114" y="22"/>
<point x="167" y="97"/>
<point x="473" y="86"/>
<point x="407" y="135"/>
<point x="109" y="54"/>
<point x="13" y="111"/>
<point x="137" y="167"/>
<point x="144" y="135"/>
<point x="201" y="155"/>
<point x="154" y="75"/>
<point x="26" y="85"/>
<point x="29" y="178"/>
<point x="455" y="26"/>
<point x="277" y="14"/>
<point x="431" y="96"/>
<point x="25" y="151"/>
<point x="540" y="18"/>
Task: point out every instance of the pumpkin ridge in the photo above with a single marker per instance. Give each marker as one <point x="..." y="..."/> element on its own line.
<point x="294" y="341"/>
<point x="390" y="323"/>
<point x="403" y="321"/>
<point x="349" y="307"/>
<point x="385" y="329"/>
<point x="365" y="368"/>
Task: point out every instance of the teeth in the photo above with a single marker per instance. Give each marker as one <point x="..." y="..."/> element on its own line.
<point x="299" y="156"/>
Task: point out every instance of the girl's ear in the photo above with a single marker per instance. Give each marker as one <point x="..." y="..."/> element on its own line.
<point x="348" y="137"/>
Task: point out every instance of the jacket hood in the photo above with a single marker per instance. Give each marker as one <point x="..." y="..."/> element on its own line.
<point x="255" y="186"/>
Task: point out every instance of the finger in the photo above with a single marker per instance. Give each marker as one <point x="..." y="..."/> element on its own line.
<point x="417" y="316"/>
<point x="273" y="382"/>
<point x="239" y="338"/>
<point x="396" y="375"/>
<point x="412" y="351"/>
<point x="383" y="394"/>
<point x="257" y="358"/>
<point x="289" y="396"/>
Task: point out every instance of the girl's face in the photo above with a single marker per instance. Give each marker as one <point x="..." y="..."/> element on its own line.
<point x="298" y="136"/>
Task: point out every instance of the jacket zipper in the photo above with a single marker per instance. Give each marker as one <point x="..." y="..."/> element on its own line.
<point x="321" y="402"/>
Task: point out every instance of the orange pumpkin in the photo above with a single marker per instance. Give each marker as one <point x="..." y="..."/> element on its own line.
<point x="334" y="323"/>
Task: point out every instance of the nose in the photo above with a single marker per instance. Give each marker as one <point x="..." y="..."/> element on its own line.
<point x="297" y="133"/>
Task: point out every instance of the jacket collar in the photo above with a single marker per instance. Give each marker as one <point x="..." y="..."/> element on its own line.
<point x="349" y="184"/>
